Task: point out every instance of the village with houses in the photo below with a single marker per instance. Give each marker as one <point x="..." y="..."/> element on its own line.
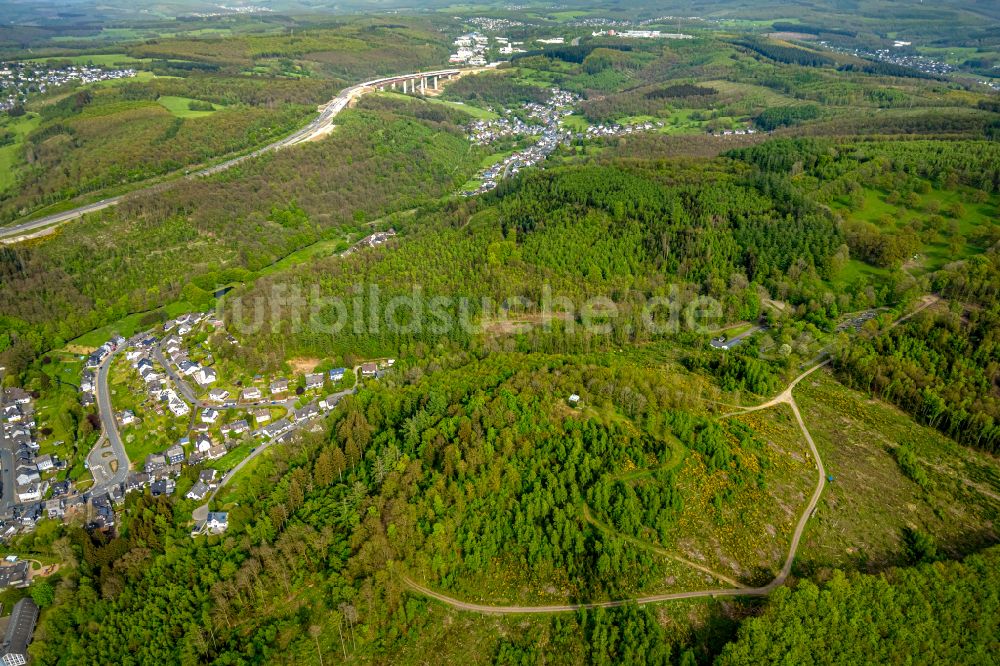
<point x="474" y="49"/>
<point x="164" y="407"/>
<point x="28" y="477"/>
<point x="545" y="126"/>
<point x="19" y="79"/>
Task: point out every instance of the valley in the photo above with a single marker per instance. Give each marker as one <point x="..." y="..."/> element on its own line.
<point x="478" y="334"/>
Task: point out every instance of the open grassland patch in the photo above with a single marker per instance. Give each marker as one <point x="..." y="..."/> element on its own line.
<point x="859" y="522"/>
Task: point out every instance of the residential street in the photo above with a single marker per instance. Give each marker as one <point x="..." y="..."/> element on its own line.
<point x="201" y="513"/>
<point x="109" y="464"/>
<point x="7" y="461"/>
<point x="108" y="460"/>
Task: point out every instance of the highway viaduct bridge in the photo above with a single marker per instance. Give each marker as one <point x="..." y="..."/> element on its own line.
<point x="317" y="128"/>
<point x="411" y="82"/>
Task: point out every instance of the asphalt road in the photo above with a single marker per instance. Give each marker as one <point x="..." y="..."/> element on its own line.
<point x="56" y="218"/>
<point x="189" y="396"/>
<point x="729" y="343"/>
<point x="182" y="386"/>
<point x="104" y="477"/>
<point x="315" y="128"/>
<point x="7" y="461"/>
<point x="201" y="513"/>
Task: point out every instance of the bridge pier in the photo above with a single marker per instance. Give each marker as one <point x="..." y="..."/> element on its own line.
<point x="423" y="84"/>
<point x="435" y="83"/>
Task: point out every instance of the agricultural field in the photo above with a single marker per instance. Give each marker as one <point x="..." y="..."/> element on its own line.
<point x="106" y="60"/>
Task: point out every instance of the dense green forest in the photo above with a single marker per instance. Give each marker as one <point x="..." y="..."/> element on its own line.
<point x="942" y="366"/>
<point x="945" y="612"/>
<point x="787" y="54"/>
<point x="379" y="160"/>
<point x="500" y="90"/>
<point x="261" y="86"/>
<point x="588" y="231"/>
<point x="473" y="474"/>
<point x="560" y="424"/>
<point x="89" y="141"/>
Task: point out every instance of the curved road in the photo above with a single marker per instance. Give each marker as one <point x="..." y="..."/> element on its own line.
<point x="316" y="128"/>
<point x="201" y="512"/>
<point x="110" y="440"/>
<point x="786" y="398"/>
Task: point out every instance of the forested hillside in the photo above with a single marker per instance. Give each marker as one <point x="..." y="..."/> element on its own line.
<point x="103" y="268"/>
<point x="193" y="99"/>
<point x="715" y="229"/>
<point x="946" y="612"/>
<point x="942" y="366"/>
<point x="720" y="341"/>
<point x="89" y="141"/>
<point x="476" y="476"/>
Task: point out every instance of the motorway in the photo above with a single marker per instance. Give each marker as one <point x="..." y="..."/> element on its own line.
<point x="316" y="128"/>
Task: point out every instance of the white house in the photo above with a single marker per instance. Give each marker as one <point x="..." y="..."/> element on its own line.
<point x="209" y="415"/>
<point x="26" y="475"/>
<point x="314" y="381"/>
<point x="235" y="427"/>
<point x="202" y="443"/>
<point x="251" y="393"/>
<point x="19" y="396"/>
<point x="205" y="376"/>
<point x="12" y="413"/>
<point x="218" y="395"/>
<point x="198" y="491"/>
<point x="31" y="492"/>
<point x="175" y="404"/>
<point x="217" y="522"/>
